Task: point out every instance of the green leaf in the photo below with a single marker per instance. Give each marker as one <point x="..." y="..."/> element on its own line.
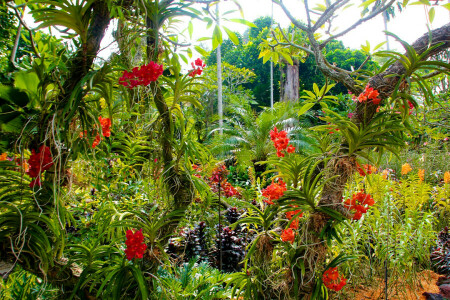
<point x="202" y="51"/>
<point x="242" y="21"/>
<point x="190" y="29"/>
<point x="305" y="108"/>
<point x="217" y="37"/>
<point x="366" y="4"/>
<point x="379" y="46"/>
<point x="28" y="81"/>
<point x="431" y="14"/>
<point x="13" y="95"/>
<point x="233" y="37"/>
<point x="287" y="58"/>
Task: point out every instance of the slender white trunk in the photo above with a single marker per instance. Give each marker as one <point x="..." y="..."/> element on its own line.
<point x="271" y="66"/>
<point x="219" y="77"/>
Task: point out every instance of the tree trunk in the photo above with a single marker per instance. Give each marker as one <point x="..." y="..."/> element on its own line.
<point x="289" y="83"/>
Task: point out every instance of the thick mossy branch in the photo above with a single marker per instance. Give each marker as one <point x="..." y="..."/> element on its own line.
<point x="82" y="62"/>
<point x="387" y="81"/>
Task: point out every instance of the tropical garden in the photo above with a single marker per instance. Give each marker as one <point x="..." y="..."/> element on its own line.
<point x="175" y="167"/>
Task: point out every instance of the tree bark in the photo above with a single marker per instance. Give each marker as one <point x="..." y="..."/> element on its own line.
<point x="82" y="62"/>
<point x="289" y="83"/>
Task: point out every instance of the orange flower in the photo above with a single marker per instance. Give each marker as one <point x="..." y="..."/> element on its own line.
<point x="385" y="174"/>
<point x="106" y="126"/>
<point x="447" y="177"/>
<point x="291" y="214"/>
<point x="369" y="94"/>
<point x="406" y="168"/>
<point x="96" y="141"/>
<point x="288" y="235"/>
<point x="421" y="174"/>
<point x="3" y="156"/>
<point x="25" y="166"/>
<point x="294" y="224"/>
<point x="274" y="191"/>
<point x="366" y="169"/>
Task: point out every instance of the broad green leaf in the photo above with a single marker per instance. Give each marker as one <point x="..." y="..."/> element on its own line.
<point x="263" y="53"/>
<point x="379" y="46"/>
<point x="233" y="37"/>
<point x="287" y="58"/>
<point x="305" y="108"/>
<point x="242" y="21"/>
<point x="28" y="81"/>
<point x="431" y="14"/>
<point x="13" y="95"/>
<point x="202" y="51"/>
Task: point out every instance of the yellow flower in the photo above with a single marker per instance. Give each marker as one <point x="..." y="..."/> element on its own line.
<point x="406" y="168"/>
<point x="421" y="174"/>
<point x="447" y="177"/>
<point x="3" y="156"/>
<point x="102" y="102"/>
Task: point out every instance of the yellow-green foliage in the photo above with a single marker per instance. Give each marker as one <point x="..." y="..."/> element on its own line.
<point x="411" y="193"/>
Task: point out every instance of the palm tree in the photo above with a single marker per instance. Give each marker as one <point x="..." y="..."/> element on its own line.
<point x="246" y="135"/>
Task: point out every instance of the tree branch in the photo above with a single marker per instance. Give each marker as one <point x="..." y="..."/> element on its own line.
<point x="357" y="23"/>
<point x="328" y="13"/>
<point x="289" y="43"/>
<point x="84" y="58"/>
<point x="291" y="17"/>
<point x="30" y="32"/>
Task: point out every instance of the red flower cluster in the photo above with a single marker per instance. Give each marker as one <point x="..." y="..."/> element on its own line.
<point x="360" y="203"/>
<point x="135" y="244"/>
<point x="369" y="94"/>
<point x="288" y="235"/>
<point x="142" y="75"/>
<point x="39" y="162"/>
<point x="365" y="169"/>
<point x="332" y="280"/>
<point x="219" y="174"/>
<point x="281" y="141"/>
<point x="197" y="66"/>
<point x="274" y="191"/>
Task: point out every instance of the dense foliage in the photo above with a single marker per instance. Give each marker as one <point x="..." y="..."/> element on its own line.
<point x="118" y="181"/>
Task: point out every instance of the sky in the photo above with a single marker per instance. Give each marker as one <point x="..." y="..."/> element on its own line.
<point x="408" y="25"/>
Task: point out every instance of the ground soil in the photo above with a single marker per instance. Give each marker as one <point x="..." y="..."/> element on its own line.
<point x="399" y="291"/>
